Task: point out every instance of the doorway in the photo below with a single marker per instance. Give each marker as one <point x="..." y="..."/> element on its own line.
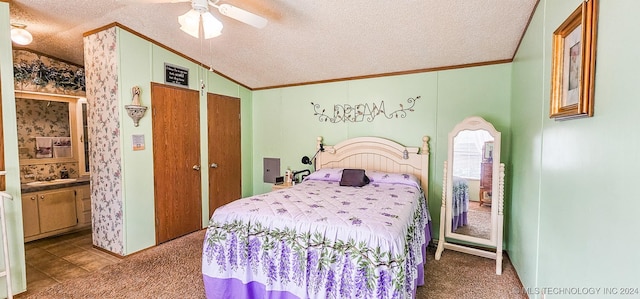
<point x="55" y="209"/>
<point x="225" y="171"/>
<point x="176" y="161"/>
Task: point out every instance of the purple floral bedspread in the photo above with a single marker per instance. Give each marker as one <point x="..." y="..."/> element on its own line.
<point x="318" y="240"/>
<point x="459" y="203"/>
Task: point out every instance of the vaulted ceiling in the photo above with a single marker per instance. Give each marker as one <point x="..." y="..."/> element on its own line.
<point x="305" y="41"/>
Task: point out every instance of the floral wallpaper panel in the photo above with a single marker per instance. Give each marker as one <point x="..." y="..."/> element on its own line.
<point x="101" y="66"/>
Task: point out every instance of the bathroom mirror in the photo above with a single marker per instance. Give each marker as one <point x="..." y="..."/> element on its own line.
<point x="47" y="129"/>
<point x="472" y="199"/>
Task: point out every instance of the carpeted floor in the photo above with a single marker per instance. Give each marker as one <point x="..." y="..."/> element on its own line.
<point x="459" y="275"/>
<point x="173" y="270"/>
<point x="479" y="224"/>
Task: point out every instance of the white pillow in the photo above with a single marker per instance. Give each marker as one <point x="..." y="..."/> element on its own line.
<point x="377" y="177"/>
<point x="326" y="174"/>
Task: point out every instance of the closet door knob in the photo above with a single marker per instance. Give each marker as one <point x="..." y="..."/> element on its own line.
<point x="214" y="165"/>
<point x="196" y="167"/>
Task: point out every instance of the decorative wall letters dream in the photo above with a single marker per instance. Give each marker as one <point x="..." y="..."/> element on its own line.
<point x="361" y="112"/>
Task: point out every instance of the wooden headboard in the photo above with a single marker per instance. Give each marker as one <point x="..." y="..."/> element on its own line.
<point x="379" y="154"/>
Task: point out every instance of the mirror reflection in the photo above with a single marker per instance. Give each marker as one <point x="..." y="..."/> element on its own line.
<point x="472" y="183"/>
<point x="44" y="130"/>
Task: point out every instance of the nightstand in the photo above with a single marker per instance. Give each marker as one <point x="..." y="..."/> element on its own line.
<point x="280" y="186"/>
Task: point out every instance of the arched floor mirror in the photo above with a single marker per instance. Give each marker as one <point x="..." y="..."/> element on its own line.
<point x="471" y="217"/>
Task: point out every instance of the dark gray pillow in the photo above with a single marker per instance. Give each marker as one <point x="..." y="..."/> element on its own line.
<point x="354" y="178"/>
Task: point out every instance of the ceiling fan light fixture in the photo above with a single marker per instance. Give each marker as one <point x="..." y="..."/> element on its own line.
<point x="190" y="23"/>
<point x="212" y="27"/>
<point x="20" y="35"/>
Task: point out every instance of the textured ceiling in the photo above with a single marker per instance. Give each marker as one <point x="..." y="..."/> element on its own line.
<point x="305" y="40"/>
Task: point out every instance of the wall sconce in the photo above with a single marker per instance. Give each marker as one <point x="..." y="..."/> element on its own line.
<point x="306" y="160"/>
<point x="135" y="110"/>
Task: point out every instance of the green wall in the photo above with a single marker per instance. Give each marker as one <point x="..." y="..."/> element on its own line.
<point x="574" y="207"/>
<point x="134" y="68"/>
<point x="527" y="106"/>
<point x="284" y="125"/>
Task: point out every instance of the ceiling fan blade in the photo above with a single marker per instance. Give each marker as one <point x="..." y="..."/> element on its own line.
<point x="242" y="15"/>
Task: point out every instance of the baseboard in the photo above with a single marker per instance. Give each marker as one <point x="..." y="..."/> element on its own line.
<point x="506" y="255"/>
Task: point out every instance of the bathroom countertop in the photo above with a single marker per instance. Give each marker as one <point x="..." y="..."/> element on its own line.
<point x="79" y="182"/>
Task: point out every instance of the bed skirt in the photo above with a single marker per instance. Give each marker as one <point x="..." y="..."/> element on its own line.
<point x="458" y="221"/>
<point x="233" y="288"/>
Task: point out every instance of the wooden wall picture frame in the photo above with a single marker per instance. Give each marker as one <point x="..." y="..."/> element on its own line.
<point x="573" y="64"/>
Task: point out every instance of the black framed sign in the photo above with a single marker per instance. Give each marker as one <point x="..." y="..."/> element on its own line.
<point x="176" y="75"/>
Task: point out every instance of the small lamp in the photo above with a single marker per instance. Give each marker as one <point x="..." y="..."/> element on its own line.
<point x="306" y="160"/>
<point x="20" y="35"/>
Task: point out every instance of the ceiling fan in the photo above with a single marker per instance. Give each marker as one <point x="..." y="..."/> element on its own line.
<point x="212" y="27"/>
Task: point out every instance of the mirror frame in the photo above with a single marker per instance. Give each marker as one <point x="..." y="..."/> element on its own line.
<point x="474" y="123"/>
<point x="72" y="100"/>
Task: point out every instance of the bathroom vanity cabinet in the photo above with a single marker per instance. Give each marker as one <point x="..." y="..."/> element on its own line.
<point x="51" y="212"/>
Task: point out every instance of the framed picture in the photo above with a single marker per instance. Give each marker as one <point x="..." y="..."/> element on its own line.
<point x="573" y="65"/>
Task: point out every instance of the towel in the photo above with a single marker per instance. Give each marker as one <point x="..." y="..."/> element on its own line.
<point x="43" y="147"/>
<point x="61" y="141"/>
<point x="61" y="151"/>
<point x="61" y="147"/>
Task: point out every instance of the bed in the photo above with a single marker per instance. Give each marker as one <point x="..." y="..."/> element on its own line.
<point x="318" y="239"/>
<point x="460" y="203"/>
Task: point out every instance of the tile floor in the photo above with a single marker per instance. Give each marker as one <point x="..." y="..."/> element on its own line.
<point x="56" y="259"/>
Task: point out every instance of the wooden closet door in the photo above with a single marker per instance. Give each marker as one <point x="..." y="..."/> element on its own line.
<point x="225" y="169"/>
<point x="176" y="161"/>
